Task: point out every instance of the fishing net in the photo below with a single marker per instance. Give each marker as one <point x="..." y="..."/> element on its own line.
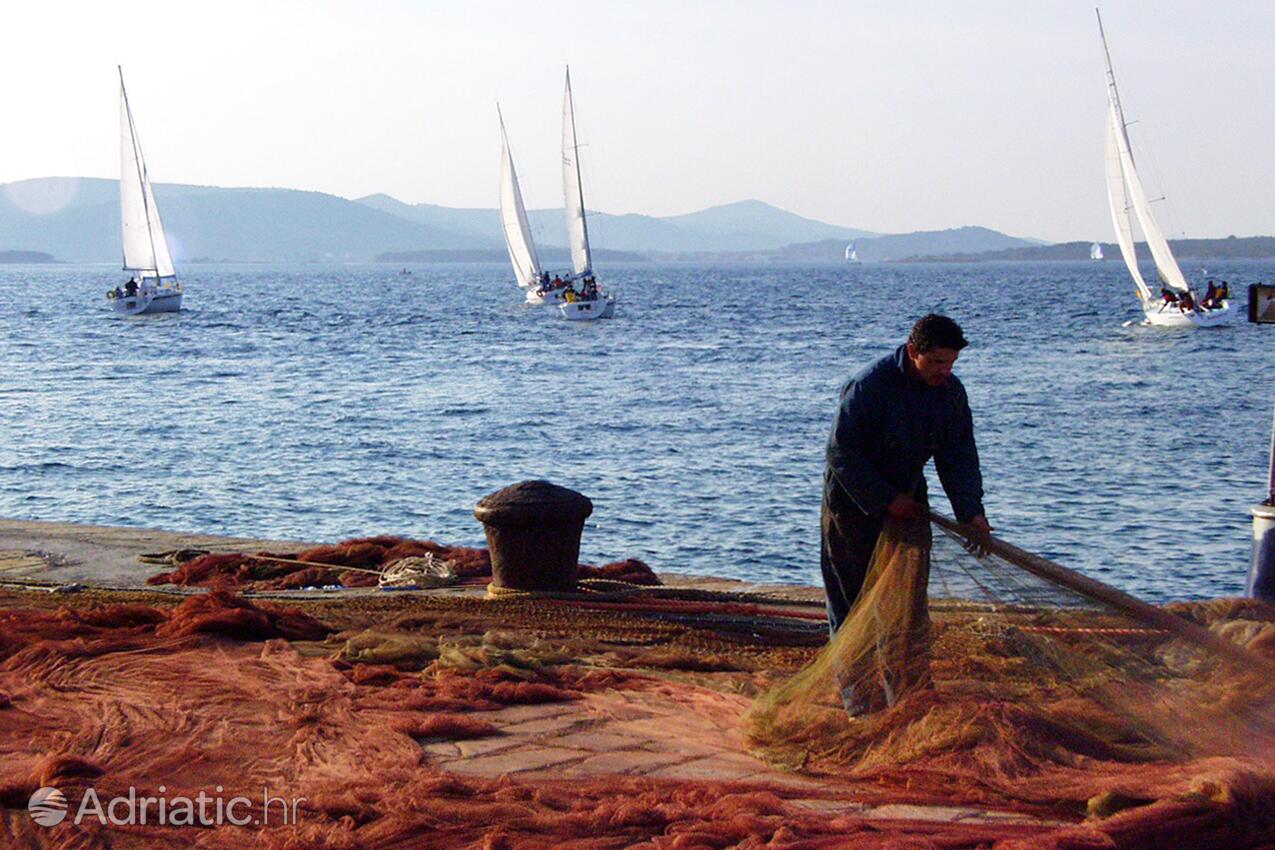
<point x="384" y="560"/>
<point x="968" y="682"/>
<point x="964" y="678"/>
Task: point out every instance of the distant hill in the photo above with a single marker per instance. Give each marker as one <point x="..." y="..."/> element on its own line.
<point x="906" y="246"/>
<point x="550" y="257"/>
<point x="481" y="224"/>
<point x="1246" y="247"/>
<point x="752" y="225"/>
<point x="742" y="226"/>
<point x="25" y="257"/>
<point x="78" y="219"/>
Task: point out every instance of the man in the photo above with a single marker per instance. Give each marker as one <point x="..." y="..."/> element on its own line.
<point x="894" y="416"/>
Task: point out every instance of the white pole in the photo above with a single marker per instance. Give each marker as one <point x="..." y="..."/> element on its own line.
<point x="1261" y="572"/>
<point x="1270" y="481"/>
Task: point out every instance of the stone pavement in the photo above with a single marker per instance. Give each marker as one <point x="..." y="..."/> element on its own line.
<point x="103" y="556"/>
<point x="655" y="733"/>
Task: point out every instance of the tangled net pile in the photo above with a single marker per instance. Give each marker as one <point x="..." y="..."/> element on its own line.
<point x="359" y="562"/>
<point x="1006" y="688"/>
<point x="1084" y="727"/>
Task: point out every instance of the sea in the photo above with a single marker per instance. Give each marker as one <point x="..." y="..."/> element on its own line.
<point x="317" y="402"/>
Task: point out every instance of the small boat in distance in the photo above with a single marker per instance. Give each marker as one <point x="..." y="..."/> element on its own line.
<point x="152" y="286"/>
<point x="852" y="255"/>
<point x="593" y="303"/>
<point x="1095" y="251"/>
<point x="1176" y="305"/>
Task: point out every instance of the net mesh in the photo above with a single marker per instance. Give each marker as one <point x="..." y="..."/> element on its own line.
<point x="971" y="678"/>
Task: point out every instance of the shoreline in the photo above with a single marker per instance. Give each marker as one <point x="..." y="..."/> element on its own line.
<point x="44" y="554"/>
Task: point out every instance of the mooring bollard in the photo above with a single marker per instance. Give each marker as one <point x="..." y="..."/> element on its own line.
<point x="533" y="531"/>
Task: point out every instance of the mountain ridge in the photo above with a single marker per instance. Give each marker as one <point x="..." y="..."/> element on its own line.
<point x="76" y="219"/>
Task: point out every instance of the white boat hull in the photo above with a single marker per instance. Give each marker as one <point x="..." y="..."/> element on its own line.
<point x="587" y="311"/>
<point x="1169" y="316"/>
<point x="164" y="300"/>
<point x="553" y="296"/>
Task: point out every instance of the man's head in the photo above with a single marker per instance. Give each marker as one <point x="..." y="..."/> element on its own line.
<point x="933" y="346"/>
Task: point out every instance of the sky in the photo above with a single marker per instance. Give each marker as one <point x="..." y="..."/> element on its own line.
<point x="887" y="116"/>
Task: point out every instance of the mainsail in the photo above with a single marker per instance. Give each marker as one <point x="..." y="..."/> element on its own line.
<point x="572" y="190"/>
<point x="145" y="249"/>
<point x="1130" y="193"/>
<point x="513" y="216"/>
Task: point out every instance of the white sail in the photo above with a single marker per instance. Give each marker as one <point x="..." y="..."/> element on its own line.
<point x="1095" y="250"/>
<point x="1165" y="264"/>
<point x="1119" y="202"/>
<point x="513" y="216"/>
<point x="145" y="249"/>
<point x="572" y="190"/>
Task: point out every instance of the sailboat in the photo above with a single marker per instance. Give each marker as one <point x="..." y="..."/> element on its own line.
<point x="596" y="304"/>
<point x="852" y="254"/>
<point x="517" y="229"/>
<point x="1177" y="305"/>
<point x="1095" y="251"/>
<point x="152" y="286"/>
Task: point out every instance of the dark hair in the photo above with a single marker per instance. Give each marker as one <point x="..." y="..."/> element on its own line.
<point x="935" y="331"/>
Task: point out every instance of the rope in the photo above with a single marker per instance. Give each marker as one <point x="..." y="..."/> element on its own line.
<point x="1061" y="630"/>
<point x="419" y="571"/>
<point x="612" y="589"/>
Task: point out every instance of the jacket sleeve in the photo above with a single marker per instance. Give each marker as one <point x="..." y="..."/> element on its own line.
<point x="848" y="460"/>
<point x="957" y="463"/>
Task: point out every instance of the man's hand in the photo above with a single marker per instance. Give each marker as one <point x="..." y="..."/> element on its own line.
<point x="980" y="535"/>
<point x="903" y="507"/>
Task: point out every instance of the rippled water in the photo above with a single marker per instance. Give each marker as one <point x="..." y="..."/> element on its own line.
<point x="318" y="402"/>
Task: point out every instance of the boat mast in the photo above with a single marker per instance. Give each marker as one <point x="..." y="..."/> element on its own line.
<point x="1112" y="90"/>
<point x="141" y="176"/>
<point x="575" y="153"/>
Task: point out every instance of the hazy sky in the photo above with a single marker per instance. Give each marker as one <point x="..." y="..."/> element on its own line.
<point x="889" y="116"/>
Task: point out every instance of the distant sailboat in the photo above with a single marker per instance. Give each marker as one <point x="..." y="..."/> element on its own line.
<point x="597" y="304"/>
<point x="852" y="255"/>
<point x="1176" y="306"/>
<point x="152" y="286"/>
<point x="1095" y="251"/>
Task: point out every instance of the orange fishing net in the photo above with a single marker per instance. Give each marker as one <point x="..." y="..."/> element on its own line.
<point x="995" y="690"/>
<point x="1021" y="693"/>
<point x="165" y="699"/>
<point x="356" y="563"/>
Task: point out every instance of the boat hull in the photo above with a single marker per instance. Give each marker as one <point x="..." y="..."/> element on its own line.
<point x="165" y="300"/>
<point x="588" y="311"/>
<point x="553" y="296"/>
<point x="1169" y="316"/>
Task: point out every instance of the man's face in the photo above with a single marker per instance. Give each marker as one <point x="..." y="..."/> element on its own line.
<point x="933" y="367"/>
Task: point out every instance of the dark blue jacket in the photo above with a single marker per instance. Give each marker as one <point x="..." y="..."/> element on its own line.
<point x="888" y="426"/>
